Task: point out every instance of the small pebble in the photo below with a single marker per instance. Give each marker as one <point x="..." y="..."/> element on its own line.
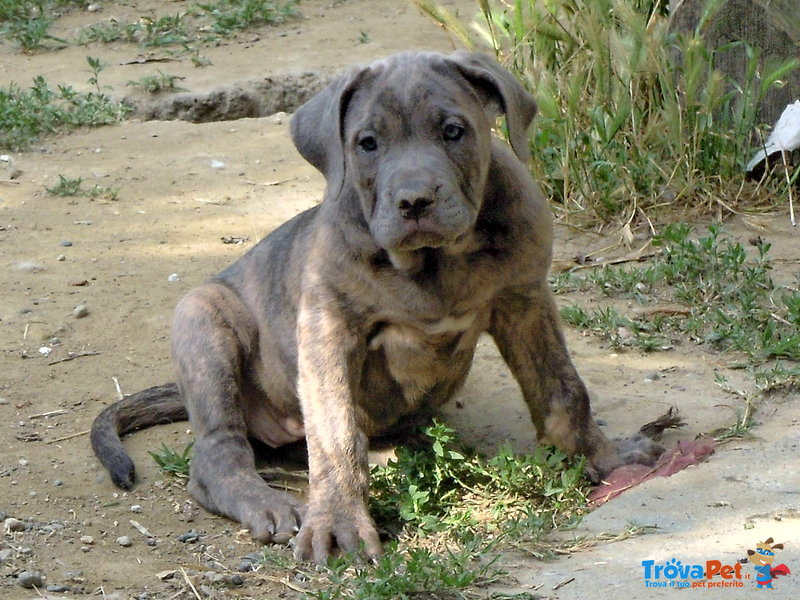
<point x="13" y="525"/>
<point x="151" y="541"/>
<point x="87" y="539"/>
<point x="29" y="266"/>
<point x="217" y="164"/>
<point x="236" y="579"/>
<point x="66" y="243"/>
<point x="3" y="401"/>
<point x="124" y="541"/>
<point x="23" y="462"/>
<point x="58" y="589"/>
<point x="80" y="311"/>
<point x="174" y="277"/>
<point x="5" y="555"/>
<point x="85" y="549"/>
<point x="190" y="537"/>
<point x="61" y="258"/>
<point x="30" y="579"/>
<point x="137" y="508"/>
<point x="244" y="566"/>
<point x="58" y="483"/>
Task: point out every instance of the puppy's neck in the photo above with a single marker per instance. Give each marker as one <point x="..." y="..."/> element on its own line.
<point x="411" y="262"/>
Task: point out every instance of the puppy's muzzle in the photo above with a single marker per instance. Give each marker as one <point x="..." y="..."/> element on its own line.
<point x="415" y="200"/>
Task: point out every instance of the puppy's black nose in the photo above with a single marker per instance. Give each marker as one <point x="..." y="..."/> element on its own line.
<point x="413" y="207"/>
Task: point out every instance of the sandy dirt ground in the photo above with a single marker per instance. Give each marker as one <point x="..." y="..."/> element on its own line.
<point x="183" y="187"/>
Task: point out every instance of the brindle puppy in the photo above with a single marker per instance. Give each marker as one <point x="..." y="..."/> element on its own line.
<point x="365" y="311"/>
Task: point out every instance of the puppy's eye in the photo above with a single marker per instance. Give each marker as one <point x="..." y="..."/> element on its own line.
<point x="452" y="132"/>
<point x="368" y="143"/>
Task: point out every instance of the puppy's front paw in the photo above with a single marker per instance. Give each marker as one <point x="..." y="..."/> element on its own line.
<point x="342" y="526"/>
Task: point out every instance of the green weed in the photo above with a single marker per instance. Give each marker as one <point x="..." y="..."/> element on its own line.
<point x="106" y="32"/>
<point x="231" y="16"/>
<point x="68" y="187"/>
<point x="447" y="489"/>
<point x="728" y="297"/>
<point x="158" y="82"/>
<point x="147" y="31"/>
<point x="27" y="23"/>
<point x="631" y="114"/>
<point x="172" y="461"/>
<point x="412" y="573"/>
<point x="25" y="115"/>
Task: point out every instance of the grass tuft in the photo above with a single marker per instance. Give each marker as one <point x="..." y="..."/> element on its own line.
<point x="70" y="187"/>
<point x="25" y="115"/>
<point x="231" y="16"/>
<point x="447" y="489"/>
<point x="720" y="294"/>
<point x="158" y="82"/>
<point x="173" y="462"/>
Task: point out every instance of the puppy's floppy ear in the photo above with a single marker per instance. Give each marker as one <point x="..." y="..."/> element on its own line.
<point x="318" y="126"/>
<point x="489" y="77"/>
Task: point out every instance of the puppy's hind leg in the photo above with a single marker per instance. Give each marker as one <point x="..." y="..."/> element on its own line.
<point x="213" y="337"/>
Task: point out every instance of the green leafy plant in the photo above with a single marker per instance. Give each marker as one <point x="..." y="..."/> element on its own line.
<point x="158" y="82"/>
<point x="66" y="186"/>
<point x="724" y="294"/>
<point x="25" y="115"/>
<point x="172" y="461"/>
<point x="446" y="488"/>
<point x="230" y="16"/>
<point x="27" y="23"/>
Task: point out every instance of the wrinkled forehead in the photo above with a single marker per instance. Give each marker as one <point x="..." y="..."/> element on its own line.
<point x="402" y="91"/>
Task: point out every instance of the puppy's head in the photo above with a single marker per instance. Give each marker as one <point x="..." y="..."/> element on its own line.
<point x="412" y="134"/>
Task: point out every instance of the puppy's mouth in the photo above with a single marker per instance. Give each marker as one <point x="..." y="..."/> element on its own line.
<point x="422" y="238"/>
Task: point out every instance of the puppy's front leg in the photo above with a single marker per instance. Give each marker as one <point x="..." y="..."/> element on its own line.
<point x="329" y="359"/>
<point x="526" y="328"/>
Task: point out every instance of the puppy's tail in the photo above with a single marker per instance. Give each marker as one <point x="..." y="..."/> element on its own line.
<point x="153" y="406"/>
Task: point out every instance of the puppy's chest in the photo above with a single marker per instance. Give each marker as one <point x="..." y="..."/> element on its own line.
<point x="427" y="355"/>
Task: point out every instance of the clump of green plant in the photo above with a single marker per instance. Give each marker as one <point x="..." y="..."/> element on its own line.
<point x="447" y="489"/>
<point x="631" y="114"/>
<point x="147" y="31"/>
<point x="725" y="297"/>
<point x="173" y="462"/>
<point x="231" y="16"/>
<point x="158" y="82"/>
<point x="27" y="22"/>
<point x="25" y="115"/>
<point x="455" y="574"/>
<point x="68" y="187"/>
<point x="205" y="22"/>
